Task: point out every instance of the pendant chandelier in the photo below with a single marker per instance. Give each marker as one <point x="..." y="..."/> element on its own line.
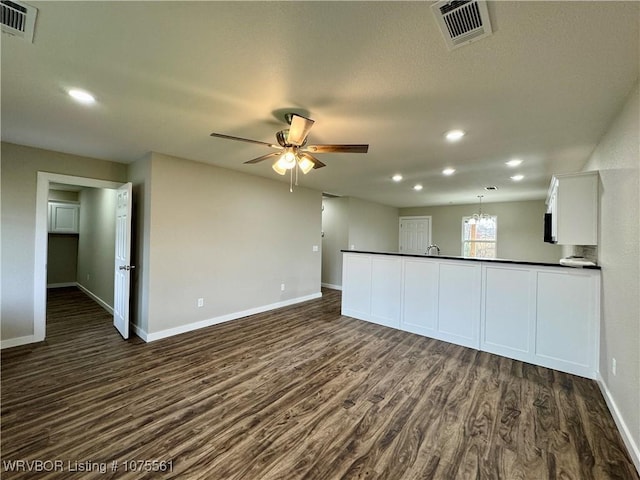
<point x="479" y="217"/>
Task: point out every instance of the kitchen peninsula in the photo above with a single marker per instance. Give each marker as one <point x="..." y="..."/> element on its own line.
<point x="541" y="313"/>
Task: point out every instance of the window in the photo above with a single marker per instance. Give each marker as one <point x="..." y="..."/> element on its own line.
<point x="480" y="236"/>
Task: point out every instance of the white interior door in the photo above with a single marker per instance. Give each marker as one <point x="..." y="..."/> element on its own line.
<point x="122" y="263"/>
<point x="415" y="234"/>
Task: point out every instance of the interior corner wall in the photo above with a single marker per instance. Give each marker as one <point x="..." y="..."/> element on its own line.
<point x="229" y="238"/>
<point x="335" y="229"/>
<point x="520" y="229"/>
<point x="19" y="167"/>
<point x="96" y="242"/>
<point x="139" y="174"/>
<point x="352" y="223"/>
<point x="373" y="226"/>
<point x="618" y="161"/>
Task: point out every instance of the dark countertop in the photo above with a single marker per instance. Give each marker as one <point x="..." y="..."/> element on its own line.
<point x="470" y="259"/>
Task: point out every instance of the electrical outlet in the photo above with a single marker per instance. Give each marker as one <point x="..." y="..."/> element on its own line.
<point x="200" y="302"/>
<point x="613" y="366"/>
<point x="282" y="287"/>
<point x="315" y="248"/>
<point x="353" y="247"/>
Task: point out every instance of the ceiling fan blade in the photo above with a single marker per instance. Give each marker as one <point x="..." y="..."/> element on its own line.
<point x="336" y="148"/>
<point x="264" y="157"/>
<point x="231" y="137"/>
<point x="300" y="127"/>
<point x="316" y="163"/>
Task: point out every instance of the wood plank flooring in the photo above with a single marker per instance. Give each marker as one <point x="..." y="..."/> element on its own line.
<point x="297" y="393"/>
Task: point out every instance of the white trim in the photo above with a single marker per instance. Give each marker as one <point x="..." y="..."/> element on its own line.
<point x="62" y="285"/>
<point x="41" y="239"/>
<point x="632" y="448"/>
<point x="15" y="342"/>
<point x="170" y="332"/>
<point x="139" y="332"/>
<point x="96" y="298"/>
<point x="331" y="286"/>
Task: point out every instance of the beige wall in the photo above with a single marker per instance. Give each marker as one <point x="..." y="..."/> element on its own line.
<point x="353" y="222"/>
<point x="63" y="195"/>
<point x="372" y="226"/>
<point x="139" y="174"/>
<point x="227" y="237"/>
<point x="62" y="259"/>
<point x="96" y="243"/>
<point x="618" y="160"/>
<point x="520" y="229"/>
<point x="335" y="226"/>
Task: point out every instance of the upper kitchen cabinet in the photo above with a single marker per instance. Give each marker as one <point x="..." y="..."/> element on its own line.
<point x="573" y="204"/>
<point x="64" y="217"/>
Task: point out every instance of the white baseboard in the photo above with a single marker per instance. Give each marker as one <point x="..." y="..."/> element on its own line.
<point x="139" y="332"/>
<point x="170" y="332"/>
<point x="627" y="438"/>
<point x="16" y="342"/>
<point x="61" y="285"/>
<point x="96" y="298"/>
<point x="332" y="286"/>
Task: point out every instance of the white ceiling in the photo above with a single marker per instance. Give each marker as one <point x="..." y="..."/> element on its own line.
<point x="544" y="88"/>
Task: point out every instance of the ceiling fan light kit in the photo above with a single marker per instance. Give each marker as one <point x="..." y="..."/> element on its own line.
<point x="290" y="159"/>
<point x="294" y="151"/>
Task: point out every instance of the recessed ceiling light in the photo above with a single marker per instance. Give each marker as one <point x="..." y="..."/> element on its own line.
<point x="397" y="177"/>
<point x="517" y="178"/>
<point x="514" y="163"/>
<point x="454" y="135"/>
<point x="417" y="187"/>
<point x="448" y="171"/>
<point x="81" y="96"/>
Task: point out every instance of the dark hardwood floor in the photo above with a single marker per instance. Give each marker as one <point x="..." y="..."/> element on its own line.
<point x="297" y="393"/>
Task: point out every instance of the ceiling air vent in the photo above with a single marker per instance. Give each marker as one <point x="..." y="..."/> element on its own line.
<point x="462" y="21"/>
<point x="18" y="19"/>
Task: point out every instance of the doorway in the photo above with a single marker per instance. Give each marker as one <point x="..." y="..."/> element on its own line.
<point x="415" y="234"/>
<point x="44" y="182"/>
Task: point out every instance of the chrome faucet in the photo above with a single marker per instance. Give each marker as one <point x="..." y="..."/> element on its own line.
<point x="433" y="246"/>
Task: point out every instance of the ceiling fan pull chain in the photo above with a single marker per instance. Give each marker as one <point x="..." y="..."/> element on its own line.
<point x="291" y="182"/>
<point x="296" y="167"/>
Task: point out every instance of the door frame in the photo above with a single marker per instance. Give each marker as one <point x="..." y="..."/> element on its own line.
<point x="41" y="240"/>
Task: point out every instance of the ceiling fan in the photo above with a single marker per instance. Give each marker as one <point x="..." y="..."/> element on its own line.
<point x="293" y="150"/>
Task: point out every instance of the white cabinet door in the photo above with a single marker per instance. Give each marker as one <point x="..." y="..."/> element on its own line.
<point x="64" y="217"/>
<point x="574" y="202"/>
<point x="566" y="321"/>
<point x="459" y="303"/>
<point x="356" y="284"/>
<point x="507" y="317"/>
<point x="385" y="290"/>
<point x="420" y="302"/>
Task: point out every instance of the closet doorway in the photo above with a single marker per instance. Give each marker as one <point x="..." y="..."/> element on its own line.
<point x="118" y="215"/>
